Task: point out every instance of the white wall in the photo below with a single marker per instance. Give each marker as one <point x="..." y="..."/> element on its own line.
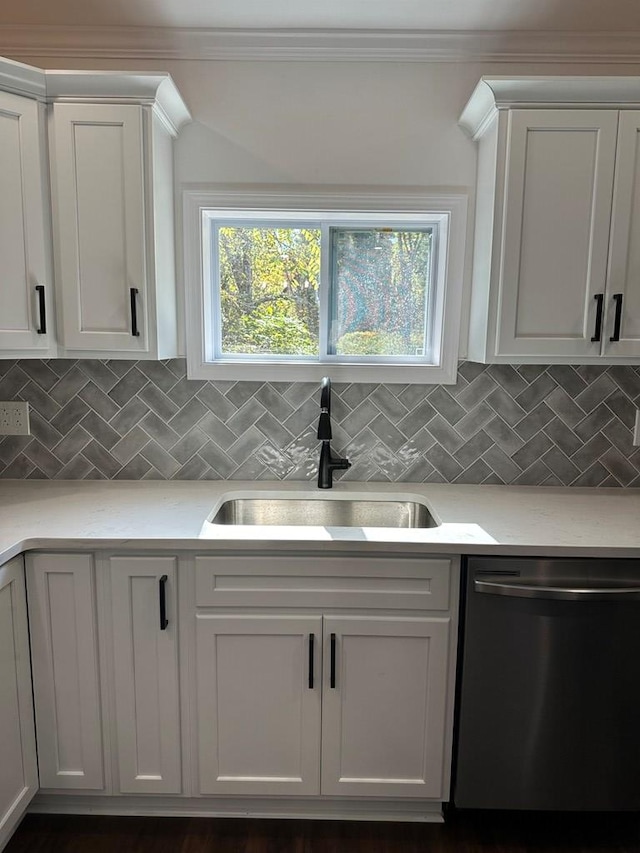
<point x="354" y="123"/>
<point x="326" y="122"/>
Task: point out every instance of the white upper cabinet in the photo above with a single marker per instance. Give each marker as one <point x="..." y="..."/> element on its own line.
<point x="112" y="181"/>
<point x="559" y="181"/>
<point x="108" y="219"/>
<point x="624" y="253"/>
<point x="26" y="287"/>
<point x="556" y="252"/>
<point x="100" y="227"/>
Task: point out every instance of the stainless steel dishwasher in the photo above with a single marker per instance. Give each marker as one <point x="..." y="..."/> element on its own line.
<point x="549" y="686"/>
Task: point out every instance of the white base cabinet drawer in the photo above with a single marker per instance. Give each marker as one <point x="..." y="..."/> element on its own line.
<point x="408" y="583"/>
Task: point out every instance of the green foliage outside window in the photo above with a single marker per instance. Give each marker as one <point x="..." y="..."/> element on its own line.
<point x="269" y="280"/>
<point x="269" y="290"/>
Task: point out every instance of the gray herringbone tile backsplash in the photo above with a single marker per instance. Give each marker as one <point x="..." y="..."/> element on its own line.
<point x="525" y="425"/>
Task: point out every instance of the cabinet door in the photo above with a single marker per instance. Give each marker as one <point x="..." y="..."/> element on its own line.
<point x="64" y="649"/>
<point x="145" y="659"/>
<point x="258" y="704"/>
<point x="23" y="243"/>
<point x="384" y="709"/>
<point x="556" y="231"/>
<point x="624" y="257"/>
<point x="18" y="768"/>
<point x="98" y="170"/>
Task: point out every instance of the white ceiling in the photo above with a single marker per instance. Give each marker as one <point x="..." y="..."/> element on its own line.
<point x="577" y="15"/>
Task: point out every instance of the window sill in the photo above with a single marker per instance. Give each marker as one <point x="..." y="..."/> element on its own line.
<point x="423" y="374"/>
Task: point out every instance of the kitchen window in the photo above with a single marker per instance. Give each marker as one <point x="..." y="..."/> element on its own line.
<point x="296" y="290"/>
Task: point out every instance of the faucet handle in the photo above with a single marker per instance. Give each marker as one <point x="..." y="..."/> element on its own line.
<point x="341" y="464"/>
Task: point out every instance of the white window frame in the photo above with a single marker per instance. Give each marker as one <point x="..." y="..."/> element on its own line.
<point x="200" y="206"/>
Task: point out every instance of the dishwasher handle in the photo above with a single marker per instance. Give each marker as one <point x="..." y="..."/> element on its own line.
<point x="572" y="592"/>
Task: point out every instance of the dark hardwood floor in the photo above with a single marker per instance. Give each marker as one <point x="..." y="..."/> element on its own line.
<point x="464" y="832"/>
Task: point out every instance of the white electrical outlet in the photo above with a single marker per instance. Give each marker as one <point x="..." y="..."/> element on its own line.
<point x="14" y="419"/>
<point x="636" y="429"/>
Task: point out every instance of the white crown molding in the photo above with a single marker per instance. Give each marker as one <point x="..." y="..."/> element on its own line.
<point x="156" y="89"/>
<point x="22" y="79"/>
<point x="501" y="93"/>
<point x="319" y="45"/>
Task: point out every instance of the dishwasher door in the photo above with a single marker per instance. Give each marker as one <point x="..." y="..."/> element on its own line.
<point x="549" y="691"/>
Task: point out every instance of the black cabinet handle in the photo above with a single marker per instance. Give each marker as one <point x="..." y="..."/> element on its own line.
<point x="618" y="318"/>
<point x="163" y="602"/>
<point x="42" y="308"/>
<point x="599" y="297"/>
<point x="332" y="676"/>
<point x="134" y="313"/>
<point x="311" y="655"/>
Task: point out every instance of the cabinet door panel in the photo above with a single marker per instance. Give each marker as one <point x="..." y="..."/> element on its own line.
<point x="383" y="724"/>
<point x="556" y="232"/>
<point x="64" y="652"/>
<point x="258" y="716"/>
<point x="22" y="228"/>
<point x="624" y="258"/>
<point x="99" y="186"/>
<point x="146" y="676"/>
<point x="18" y="768"/>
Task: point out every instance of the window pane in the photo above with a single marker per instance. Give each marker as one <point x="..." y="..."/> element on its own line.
<point x="269" y="281"/>
<point x="380" y="291"/>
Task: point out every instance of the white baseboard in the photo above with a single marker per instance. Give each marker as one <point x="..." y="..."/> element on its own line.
<point x="255" y="807"/>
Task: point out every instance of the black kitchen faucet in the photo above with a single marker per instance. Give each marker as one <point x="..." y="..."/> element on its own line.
<point x="329" y="462"/>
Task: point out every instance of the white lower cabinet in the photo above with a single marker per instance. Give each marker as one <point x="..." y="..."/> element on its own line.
<point x="330" y="705"/>
<point x="234" y="680"/>
<point x="66" y="678"/>
<point x="145" y="674"/>
<point x="384" y="706"/>
<point x="258" y="702"/>
<point x="18" y="767"/>
<point x="106" y="680"/>
<point x="353" y="705"/>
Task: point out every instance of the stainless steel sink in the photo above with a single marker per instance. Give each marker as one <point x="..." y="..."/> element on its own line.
<point x="324" y="513"/>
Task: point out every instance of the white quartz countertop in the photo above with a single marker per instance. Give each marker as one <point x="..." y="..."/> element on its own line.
<point x="174" y="516"/>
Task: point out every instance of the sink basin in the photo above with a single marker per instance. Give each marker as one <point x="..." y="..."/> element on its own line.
<point x="340" y="512"/>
